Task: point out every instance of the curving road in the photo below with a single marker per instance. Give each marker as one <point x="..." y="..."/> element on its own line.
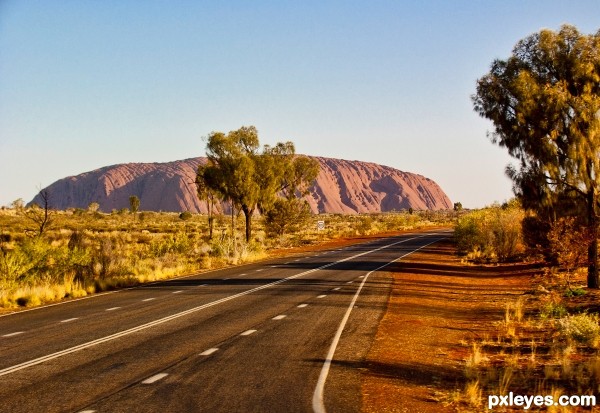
<point x="282" y="335"/>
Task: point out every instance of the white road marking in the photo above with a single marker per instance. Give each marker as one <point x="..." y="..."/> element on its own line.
<point x="322" y="296"/>
<point x="209" y="351"/>
<point x="280" y="317"/>
<point x="16" y="333"/>
<point x="69" y="320"/>
<point x="177" y="292"/>
<point x="225" y="279"/>
<point x="149" y="299"/>
<point x="248" y="332"/>
<point x="112" y="308"/>
<point x="70" y="350"/>
<point x="259" y="270"/>
<point x="155" y="378"/>
<point x="361" y="276"/>
<point x="317" y="401"/>
<point x="336" y="289"/>
<point x="349" y="282"/>
<point x="241" y="275"/>
<point x="87" y="411"/>
<point x="297" y="260"/>
<point x="303" y="305"/>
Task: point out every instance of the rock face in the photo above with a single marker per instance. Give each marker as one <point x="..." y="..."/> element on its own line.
<point x="342" y="186"/>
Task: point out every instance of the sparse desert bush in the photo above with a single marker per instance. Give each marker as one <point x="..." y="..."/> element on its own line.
<point x="582" y="328"/>
<point x="491" y="234"/>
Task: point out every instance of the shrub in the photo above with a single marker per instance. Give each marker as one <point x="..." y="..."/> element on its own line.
<point x="491" y="233"/>
<point x="185" y="216"/>
<point x="582" y="328"/>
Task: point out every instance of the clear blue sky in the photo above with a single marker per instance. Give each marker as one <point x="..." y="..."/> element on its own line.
<point x="85" y="84"/>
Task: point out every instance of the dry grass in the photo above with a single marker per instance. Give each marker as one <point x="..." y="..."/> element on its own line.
<point x="85" y="252"/>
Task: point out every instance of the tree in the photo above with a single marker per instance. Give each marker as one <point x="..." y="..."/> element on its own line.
<point x="206" y="193"/>
<point x="544" y="102"/>
<point x="134" y="204"/>
<point x="253" y="179"/>
<point x="41" y="216"/>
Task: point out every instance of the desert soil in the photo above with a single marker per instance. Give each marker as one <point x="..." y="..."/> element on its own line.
<point x="437" y="306"/>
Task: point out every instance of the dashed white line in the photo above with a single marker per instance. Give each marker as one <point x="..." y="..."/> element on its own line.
<point x="16" y="333"/>
<point x="177" y="292"/>
<point x="149" y="299"/>
<point x="259" y="270"/>
<point x="69" y="320"/>
<point x="322" y="296"/>
<point x="112" y="308"/>
<point x="155" y="378"/>
<point x="349" y="282"/>
<point x="248" y="332"/>
<point x="209" y="351"/>
<point x="361" y="276"/>
<point x="336" y="289"/>
<point x="302" y="305"/>
<point x="225" y="279"/>
<point x="87" y="411"/>
<point x="280" y="317"/>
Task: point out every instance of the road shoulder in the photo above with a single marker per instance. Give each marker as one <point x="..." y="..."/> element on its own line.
<point x="436" y="306"/>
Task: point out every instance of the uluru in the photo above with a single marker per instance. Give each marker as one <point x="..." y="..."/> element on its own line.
<point x="342" y="186"/>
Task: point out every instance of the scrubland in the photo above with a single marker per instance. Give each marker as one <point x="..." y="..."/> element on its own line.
<point x="82" y="252"/>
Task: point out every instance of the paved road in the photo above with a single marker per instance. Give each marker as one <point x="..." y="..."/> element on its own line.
<point x="278" y="336"/>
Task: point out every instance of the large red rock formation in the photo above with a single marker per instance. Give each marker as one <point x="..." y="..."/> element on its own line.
<point x="341" y="187"/>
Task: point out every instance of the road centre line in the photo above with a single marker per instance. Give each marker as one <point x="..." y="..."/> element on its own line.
<point x="322" y="296"/>
<point x="279" y="317"/>
<point x="149" y="299"/>
<point x="177" y="292"/>
<point x="248" y="332"/>
<point x="69" y="320"/>
<point x="112" y="309"/>
<point x="16" y="333"/>
<point x="302" y="305"/>
<point x="154" y="323"/>
<point x="209" y="351"/>
<point x="317" y="401"/>
<point x="155" y="378"/>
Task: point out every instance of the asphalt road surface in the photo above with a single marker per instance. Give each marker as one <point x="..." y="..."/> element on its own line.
<point x="285" y="335"/>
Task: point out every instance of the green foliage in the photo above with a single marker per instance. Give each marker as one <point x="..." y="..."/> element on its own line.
<point x="286" y="215"/>
<point x="582" y="328"/>
<point x="185" y="216"/>
<point x="493" y="233"/>
<point x="250" y="179"/>
<point x="544" y="102"/>
<point x="134" y="204"/>
<point x="553" y="310"/>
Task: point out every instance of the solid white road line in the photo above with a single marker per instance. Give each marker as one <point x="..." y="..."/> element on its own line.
<point x="154" y="323"/>
<point x="279" y="317"/>
<point x="317" y="401"/>
<point x="112" y="308"/>
<point x="69" y="320"/>
<point x="16" y="333"/>
<point x="209" y="351"/>
<point x="248" y="332"/>
<point x="155" y="378"/>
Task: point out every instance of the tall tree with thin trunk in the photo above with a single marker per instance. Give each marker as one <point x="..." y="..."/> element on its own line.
<point x="544" y="102"/>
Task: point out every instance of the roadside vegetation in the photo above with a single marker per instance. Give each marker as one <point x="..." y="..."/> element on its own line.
<point x="81" y="252"/>
<point x="544" y="102"/>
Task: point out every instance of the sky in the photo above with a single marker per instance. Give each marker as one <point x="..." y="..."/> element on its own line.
<point x="86" y="84"/>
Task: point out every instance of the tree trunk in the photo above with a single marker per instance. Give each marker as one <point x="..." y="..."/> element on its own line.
<point x="593" y="278"/>
<point x="248" y="215"/>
